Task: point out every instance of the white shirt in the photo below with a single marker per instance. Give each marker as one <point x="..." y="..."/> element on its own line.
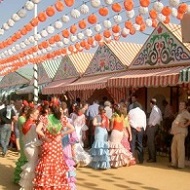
<point x="137" y="118"/>
<point x="155" y="116"/>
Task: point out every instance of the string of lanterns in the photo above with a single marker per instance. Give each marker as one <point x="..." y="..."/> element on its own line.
<point x="73" y="37"/>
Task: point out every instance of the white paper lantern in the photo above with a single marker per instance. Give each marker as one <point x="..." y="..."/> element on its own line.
<point x="10" y="52"/>
<point x="15" y="17"/>
<point x="95" y="3"/>
<point x="109" y="2"/>
<point x="17" y="46"/>
<point x="58" y="25"/>
<point x="31" y="39"/>
<point x="44" y="33"/>
<point x="5" y="26"/>
<point x="75" y="13"/>
<point x="125" y="31"/>
<point x="84" y="9"/>
<point x="37" y="37"/>
<point x="107" y="39"/>
<point x="136" y="26"/>
<point x="6" y="52"/>
<point x="49" y="48"/>
<point x="44" y="51"/>
<point x="174" y="12"/>
<point x="143" y="10"/>
<point x="88" y="32"/>
<point x="29" y="5"/>
<point x="22" y="45"/>
<point x="174" y="3"/>
<point x="65" y="18"/>
<point x="27" y="42"/>
<point x="2" y="31"/>
<point x="22" y="13"/>
<point x="50" y="29"/>
<point x="80" y="35"/>
<point x="94" y="44"/>
<point x="53" y="45"/>
<point x="117" y="19"/>
<point x="11" y="22"/>
<point x="161" y="17"/>
<point x="158" y="6"/>
<point x="130" y="14"/>
<point x="148" y="22"/>
<point x="66" y="41"/>
<point x="13" y="49"/>
<point x="60" y="44"/>
<point x="73" y="38"/>
<point x="98" y="28"/>
<point x="36" y="1"/>
<point x="107" y="24"/>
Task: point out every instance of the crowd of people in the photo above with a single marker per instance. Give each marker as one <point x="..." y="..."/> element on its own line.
<point x="53" y="141"/>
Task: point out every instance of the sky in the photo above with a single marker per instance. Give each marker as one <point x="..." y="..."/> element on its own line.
<point x="9" y="7"/>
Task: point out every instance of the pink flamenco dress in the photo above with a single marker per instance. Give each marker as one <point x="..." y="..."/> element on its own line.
<point x="51" y="170"/>
<point x="119" y="155"/>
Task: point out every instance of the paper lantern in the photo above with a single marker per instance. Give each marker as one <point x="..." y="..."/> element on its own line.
<point x="139" y="20"/>
<point x="182" y="9"/>
<point x="60" y="44"/>
<point x="125" y="32"/>
<point x="174" y="12"/>
<point x="130" y="14"/>
<point x="65" y="18"/>
<point x="116" y="7"/>
<point x="2" y="31"/>
<point x="148" y="22"/>
<point x="69" y="3"/>
<point x="98" y="37"/>
<point x="65" y="33"/>
<point x="174" y="3"/>
<point x="73" y="38"/>
<point x="103" y="11"/>
<point x="29" y="5"/>
<point x="167" y="20"/>
<point x="59" y="6"/>
<point x="166" y="11"/>
<point x="34" y="22"/>
<point x="108" y="2"/>
<point x="44" y="33"/>
<point x="107" y="33"/>
<point x="95" y="3"/>
<point x="17" y="46"/>
<point x="98" y="28"/>
<point x="144" y="3"/>
<point x="49" y="49"/>
<point x="154" y="23"/>
<point x="82" y="24"/>
<point x="161" y="17"/>
<point x="88" y="32"/>
<point x="73" y="29"/>
<point x="37" y="37"/>
<point x="84" y="9"/>
<point x="136" y="26"/>
<point x="143" y="10"/>
<point x="180" y="16"/>
<point x="158" y="6"/>
<point x="27" y="42"/>
<point x="51" y="40"/>
<point x="58" y="25"/>
<point x="42" y="17"/>
<point x="116" y="29"/>
<point x="66" y="41"/>
<point x="22" y="13"/>
<point x="153" y="14"/>
<point x="107" y="23"/>
<point x="50" y="11"/>
<point x="50" y="29"/>
<point x="128" y="5"/>
<point x="92" y="19"/>
<point x="75" y="13"/>
<point x="128" y="24"/>
<point x="117" y="19"/>
<point x="15" y="17"/>
<point x="80" y="35"/>
<point x="5" y="26"/>
<point x="11" y="22"/>
<point x="22" y="45"/>
<point x="31" y="39"/>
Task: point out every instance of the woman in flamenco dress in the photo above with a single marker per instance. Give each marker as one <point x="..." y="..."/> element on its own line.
<point x="22" y="159"/>
<point x="51" y="170"/>
<point x="119" y="155"/>
<point x="100" y="147"/>
<point x="31" y="149"/>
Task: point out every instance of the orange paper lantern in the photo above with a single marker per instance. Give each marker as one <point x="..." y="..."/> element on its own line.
<point x="82" y="24"/>
<point x="69" y="3"/>
<point x="103" y="11"/>
<point x="144" y="3"/>
<point x="92" y="19"/>
<point x="116" y="7"/>
<point x="98" y="37"/>
<point x="107" y="33"/>
<point x="73" y="29"/>
<point x="182" y="9"/>
<point x="129" y="5"/>
<point x="34" y="22"/>
<point x="90" y="40"/>
<point x="139" y="19"/>
<point x="57" y="38"/>
<point x="65" y="33"/>
<point x="166" y="11"/>
<point x="42" y="17"/>
<point x="59" y="6"/>
<point x="29" y="27"/>
<point x="50" y="11"/>
<point x="116" y="29"/>
<point x="128" y="25"/>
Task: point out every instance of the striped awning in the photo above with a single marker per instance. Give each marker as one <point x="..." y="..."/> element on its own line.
<point x="184" y="75"/>
<point x="57" y="87"/>
<point x="147" y="78"/>
<point x="91" y="82"/>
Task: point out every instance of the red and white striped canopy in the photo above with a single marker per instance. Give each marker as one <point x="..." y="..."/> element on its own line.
<point x="56" y="87"/>
<point x="147" y="78"/>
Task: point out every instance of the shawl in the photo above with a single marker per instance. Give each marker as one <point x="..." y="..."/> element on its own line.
<point x="54" y="125"/>
<point x="27" y="125"/>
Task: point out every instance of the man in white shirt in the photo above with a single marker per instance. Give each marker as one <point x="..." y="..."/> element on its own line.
<point x="137" y="121"/>
<point x="152" y="128"/>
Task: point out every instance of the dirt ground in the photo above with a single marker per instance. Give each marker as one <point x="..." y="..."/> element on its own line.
<point x="149" y="176"/>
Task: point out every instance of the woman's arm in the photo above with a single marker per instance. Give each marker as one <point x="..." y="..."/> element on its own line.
<point x="70" y="129"/>
<point x="95" y="122"/>
<point x="39" y="130"/>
